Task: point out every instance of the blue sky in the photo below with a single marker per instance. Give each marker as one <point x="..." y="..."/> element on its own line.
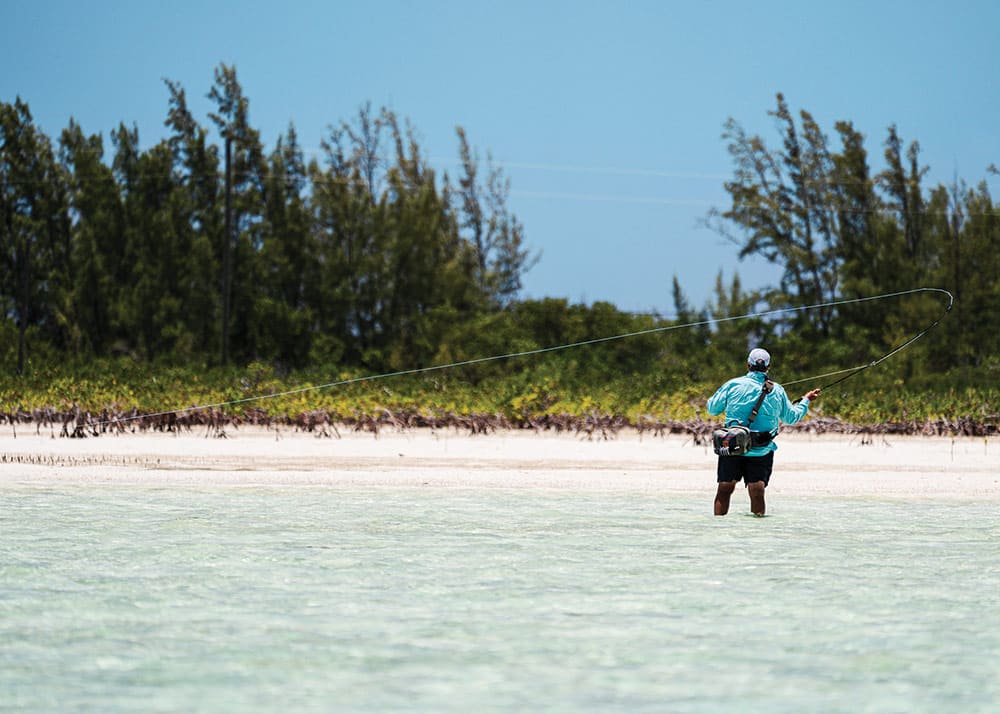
<point x="607" y="116"/>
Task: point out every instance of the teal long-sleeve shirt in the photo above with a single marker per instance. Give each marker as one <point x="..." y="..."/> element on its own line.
<point x="737" y="397"/>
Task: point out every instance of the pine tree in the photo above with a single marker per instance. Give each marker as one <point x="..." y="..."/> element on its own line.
<point x="242" y="240"/>
<point x="34" y="229"/>
<point x="782" y="208"/>
<point x="495" y="234"/>
<point x="281" y="315"/>
<point x="198" y="217"/>
<point x="98" y="242"/>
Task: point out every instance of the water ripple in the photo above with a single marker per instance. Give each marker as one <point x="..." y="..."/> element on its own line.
<point x="312" y="599"/>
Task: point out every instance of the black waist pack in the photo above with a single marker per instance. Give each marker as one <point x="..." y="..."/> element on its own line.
<point x="737" y="439"/>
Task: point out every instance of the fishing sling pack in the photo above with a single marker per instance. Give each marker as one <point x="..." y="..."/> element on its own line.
<point x="737" y="439"/>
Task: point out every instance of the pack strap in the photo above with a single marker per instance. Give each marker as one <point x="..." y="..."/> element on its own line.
<point x="765" y="390"/>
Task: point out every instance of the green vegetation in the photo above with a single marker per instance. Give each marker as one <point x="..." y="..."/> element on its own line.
<point x="554" y="393"/>
<point x="194" y="273"/>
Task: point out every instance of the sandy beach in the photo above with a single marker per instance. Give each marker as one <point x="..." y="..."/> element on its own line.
<point x="902" y="467"/>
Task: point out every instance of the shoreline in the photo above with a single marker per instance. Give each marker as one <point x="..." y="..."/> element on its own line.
<point x="805" y="464"/>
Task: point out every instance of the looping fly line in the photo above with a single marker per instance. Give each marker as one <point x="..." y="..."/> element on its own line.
<point x="850" y="372"/>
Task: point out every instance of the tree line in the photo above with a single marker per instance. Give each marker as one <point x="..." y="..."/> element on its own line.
<point x="194" y="250"/>
<point x="838" y="230"/>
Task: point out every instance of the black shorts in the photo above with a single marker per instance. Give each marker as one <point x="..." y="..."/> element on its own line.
<point x="749" y="468"/>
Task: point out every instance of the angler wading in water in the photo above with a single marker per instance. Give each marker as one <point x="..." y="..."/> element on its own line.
<point x="755" y="408"/>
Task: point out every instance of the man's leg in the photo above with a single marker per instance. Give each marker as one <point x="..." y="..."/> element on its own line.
<point x="726" y="489"/>
<point x="756" y="491"/>
<point x="728" y="473"/>
<point x="758" y="475"/>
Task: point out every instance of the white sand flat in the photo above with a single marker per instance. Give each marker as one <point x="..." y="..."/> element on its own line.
<point x="895" y="466"/>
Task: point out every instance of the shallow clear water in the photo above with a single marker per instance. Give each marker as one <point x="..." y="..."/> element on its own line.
<point x="326" y="599"/>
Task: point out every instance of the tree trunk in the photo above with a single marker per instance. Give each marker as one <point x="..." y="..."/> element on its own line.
<point x="24" y="265"/>
<point x="227" y="255"/>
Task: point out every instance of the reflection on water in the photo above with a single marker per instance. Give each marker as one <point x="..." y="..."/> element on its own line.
<point x="320" y="599"/>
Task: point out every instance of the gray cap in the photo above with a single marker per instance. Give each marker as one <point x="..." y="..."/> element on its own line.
<point x="759" y="359"/>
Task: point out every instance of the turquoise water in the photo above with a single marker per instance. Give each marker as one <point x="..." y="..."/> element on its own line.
<point x="326" y="599"/>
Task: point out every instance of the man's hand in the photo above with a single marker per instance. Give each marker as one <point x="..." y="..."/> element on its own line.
<point x="810" y="395"/>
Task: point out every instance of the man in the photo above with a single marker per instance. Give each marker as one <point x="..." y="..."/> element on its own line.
<point x="737" y="398"/>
